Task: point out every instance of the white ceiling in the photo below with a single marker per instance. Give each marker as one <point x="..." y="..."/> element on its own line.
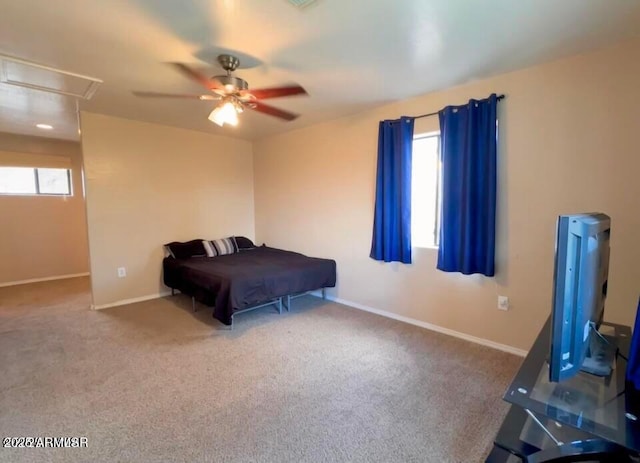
<point x="349" y="54"/>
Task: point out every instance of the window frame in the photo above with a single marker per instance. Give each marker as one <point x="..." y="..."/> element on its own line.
<point x="36" y="182"/>
<point x="438" y="196"/>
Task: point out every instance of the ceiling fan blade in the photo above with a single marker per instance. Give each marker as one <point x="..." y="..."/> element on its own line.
<point x="276" y="92"/>
<point x="175" y="95"/>
<point x="271" y="111"/>
<point x="196" y="76"/>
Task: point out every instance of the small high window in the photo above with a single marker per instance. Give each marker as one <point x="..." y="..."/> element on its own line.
<point x="35" y="181"/>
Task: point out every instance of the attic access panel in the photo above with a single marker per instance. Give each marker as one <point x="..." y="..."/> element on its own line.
<point x="21" y="73"/>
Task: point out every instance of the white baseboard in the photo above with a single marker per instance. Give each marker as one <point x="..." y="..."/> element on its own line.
<point x="38" y="280"/>
<point x="429" y="326"/>
<point x="133" y="300"/>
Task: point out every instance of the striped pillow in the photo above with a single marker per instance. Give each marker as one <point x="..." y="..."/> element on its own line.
<point x="224" y="246"/>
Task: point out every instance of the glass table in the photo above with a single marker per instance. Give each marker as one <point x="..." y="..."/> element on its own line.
<point x="585" y="418"/>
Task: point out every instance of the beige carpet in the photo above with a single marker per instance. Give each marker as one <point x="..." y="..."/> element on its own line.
<point x="155" y="382"/>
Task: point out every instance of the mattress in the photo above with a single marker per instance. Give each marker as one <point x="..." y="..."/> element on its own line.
<point x="247" y="278"/>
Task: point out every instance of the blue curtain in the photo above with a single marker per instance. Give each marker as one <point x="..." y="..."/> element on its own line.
<point x="633" y="364"/>
<point x="392" y="221"/>
<point x="468" y="154"/>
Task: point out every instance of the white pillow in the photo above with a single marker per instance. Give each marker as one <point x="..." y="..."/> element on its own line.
<point x="208" y="248"/>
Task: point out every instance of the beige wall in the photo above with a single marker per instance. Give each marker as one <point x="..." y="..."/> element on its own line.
<point x="569" y="143"/>
<point x="42" y="236"/>
<point x="148" y="185"/>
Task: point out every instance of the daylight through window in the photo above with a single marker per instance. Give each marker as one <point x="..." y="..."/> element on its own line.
<point x="425" y="191"/>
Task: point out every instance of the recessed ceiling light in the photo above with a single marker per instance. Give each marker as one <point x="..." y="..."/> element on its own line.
<point x="44" y="126"/>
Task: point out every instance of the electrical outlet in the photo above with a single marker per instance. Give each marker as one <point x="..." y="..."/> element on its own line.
<point x="503" y="303"/>
<point x="122" y="272"/>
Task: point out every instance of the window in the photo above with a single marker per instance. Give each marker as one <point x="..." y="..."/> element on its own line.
<point x="53" y="181"/>
<point x="425" y="190"/>
<point x="35" y="181"/>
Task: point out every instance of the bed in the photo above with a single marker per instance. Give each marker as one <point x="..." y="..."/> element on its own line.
<point x="247" y="279"/>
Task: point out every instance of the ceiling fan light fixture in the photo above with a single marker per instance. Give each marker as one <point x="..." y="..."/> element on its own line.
<point x="301" y="3"/>
<point x="225" y="113"/>
<point x="232" y="93"/>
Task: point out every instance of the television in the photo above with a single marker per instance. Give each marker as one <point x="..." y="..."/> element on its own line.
<point x="579" y="293"/>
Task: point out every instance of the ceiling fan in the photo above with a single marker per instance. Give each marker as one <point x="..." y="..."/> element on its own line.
<point x="232" y="92"/>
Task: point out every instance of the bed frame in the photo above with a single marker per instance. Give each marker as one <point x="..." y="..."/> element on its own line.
<point x="278" y="302"/>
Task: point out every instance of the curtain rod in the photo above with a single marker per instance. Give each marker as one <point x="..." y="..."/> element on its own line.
<point x="499" y="97"/>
